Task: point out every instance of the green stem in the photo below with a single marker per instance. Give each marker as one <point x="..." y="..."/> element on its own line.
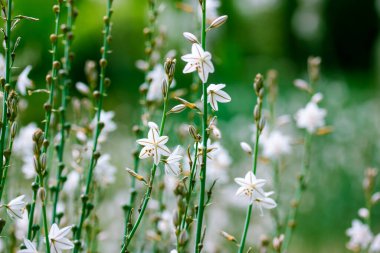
<point x="249" y="210"/>
<point x="298" y="194"/>
<point x="105" y="49"/>
<point x="47" y="113"/>
<point x="148" y="192"/>
<point x="63" y="108"/>
<point x="201" y="207"/>
<point x="6" y="167"/>
<point x="191" y="187"/>
<point x="8" y="69"/>
<point x="45" y="221"/>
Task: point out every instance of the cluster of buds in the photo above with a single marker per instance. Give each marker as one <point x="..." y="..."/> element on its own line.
<point x="258" y="86"/>
<point x="39" y="158"/>
<point x="12" y="106"/>
<point x="169" y="67"/>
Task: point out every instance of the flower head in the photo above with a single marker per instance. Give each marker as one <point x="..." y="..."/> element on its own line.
<point x="200" y="61"/>
<point x="58" y="240"/>
<point x="375" y="245"/>
<point x="360" y="235"/>
<point x="249" y="185"/>
<point x="16" y="207"/>
<point x="311" y="117"/>
<point x="264" y="201"/>
<point x="215" y="95"/>
<point x="275" y="144"/>
<point x="23" y="81"/>
<point x="154" y="146"/>
<point x="30" y="247"/>
<point x="172" y="163"/>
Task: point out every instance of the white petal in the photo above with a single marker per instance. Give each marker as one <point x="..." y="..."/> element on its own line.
<point x="222" y="96"/>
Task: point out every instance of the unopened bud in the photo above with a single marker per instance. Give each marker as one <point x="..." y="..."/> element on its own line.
<point x="246" y="148"/>
<point x="42" y="194"/>
<point x="135" y="175"/>
<point x="177" y="109"/>
<point x="229" y="237"/>
<point x="217" y="22"/>
<point x="190" y="37"/>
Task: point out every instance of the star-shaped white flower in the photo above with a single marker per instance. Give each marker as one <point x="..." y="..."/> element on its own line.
<point x="311" y="117"/>
<point x="264" y="201"/>
<point x="16" y="207"/>
<point x="23" y="81"/>
<point x="215" y="95"/>
<point x="172" y="163"/>
<point x="30" y="247"/>
<point x="360" y="235"/>
<point x="249" y="186"/>
<point x="200" y="61"/>
<point x="58" y="240"/>
<point x="154" y="146"/>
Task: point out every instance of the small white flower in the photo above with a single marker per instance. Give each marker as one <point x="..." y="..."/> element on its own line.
<point x="215" y="95"/>
<point x="30" y="247"/>
<point x="104" y="171"/>
<point x="311" y="117"/>
<point x="58" y="240"/>
<point x="363" y="213"/>
<point x="200" y="61"/>
<point x="375" y="245"/>
<point x="360" y="235"/>
<point x="23" y="81"/>
<point x="156" y="76"/>
<point x="16" y="207"/>
<point x="250" y="184"/>
<point x="172" y="163"/>
<point x="246" y="147"/>
<point x="23" y="143"/>
<point x="109" y="124"/>
<point x="82" y="88"/>
<point x="275" y="144"/>
<point x="219" y="163"/>
<point x="154" y="146"/>
<point x="264" y="201"/>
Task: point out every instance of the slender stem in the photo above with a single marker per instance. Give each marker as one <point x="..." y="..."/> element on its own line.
<point x="63" y="108"/>
<point x="105" y="52"/>
<point x="52" y="84"/>
<point x="8" y="70"/>
<point x="191" y="187"/>
<point x="45" y="221"/>
<point x="6" y="167"/>
<point x="149" y="189"/>
<point x="249" y="210"/>
<point x="201" y="207"/>
<point x="298" y="194"/>
<point x="276" y="214"/>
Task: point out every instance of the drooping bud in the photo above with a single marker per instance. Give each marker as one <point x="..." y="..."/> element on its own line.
<point x="217" y="22"/>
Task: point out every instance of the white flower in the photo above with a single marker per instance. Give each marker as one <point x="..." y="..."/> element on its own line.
<point x="200" y="61"/>
<point x="58" y="242"/>
<point x="215" y="94"/>
<point x="23" y="143"/>
<point x="360" y="235"/>
<point x="250" y="184"/>
<point x="156" y="76"/>
<point x="311" y="117"/>
<point x="16" y="207"/>
<point x="30" y="247"/>
<point x="172" y="163"/>
<point x="219" y="163"/>
<point x="264" y="201"/>
<point x="82" y="88"/>
<point x="23" y="81"/>
<point x="275" y="145"/>
<point x="154" y="146"/>
<point x="363" y="213"/>
<point x="21" y="226"/>
<point x="375" y="245"/>
<point x="109" y="125"/>
<point x="104" y="171"/>
<point x="28" y="166"/>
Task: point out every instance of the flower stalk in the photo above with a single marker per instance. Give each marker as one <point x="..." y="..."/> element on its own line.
<point x="99" y="125"/>
<point x="52" y="81"/>
<point x="198" y="244"/>
<point x="6" y="84"/>
<point x="68" y="35"/>
<point x="259" y="89"/>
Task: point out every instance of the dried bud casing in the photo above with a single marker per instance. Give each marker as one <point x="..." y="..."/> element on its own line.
<point x="164" y="88"/>
<point x="14" y="128"/>
<point x="135" y="175"/>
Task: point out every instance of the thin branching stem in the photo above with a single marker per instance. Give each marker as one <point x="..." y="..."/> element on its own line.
<point x="201" y="206"/>
<point x="103" y="65"/>
<point x="51" y="82"/>
<point x="8" y="52"/>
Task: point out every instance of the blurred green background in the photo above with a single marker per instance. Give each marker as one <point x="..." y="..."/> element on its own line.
<point x="259" y="35"/>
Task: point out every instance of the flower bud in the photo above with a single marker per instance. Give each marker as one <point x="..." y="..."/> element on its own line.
<point x="190" y="37"/>
<point x="217" y="22"/>
<point x="246" y="148"/>
<point x="42" y="194"/>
